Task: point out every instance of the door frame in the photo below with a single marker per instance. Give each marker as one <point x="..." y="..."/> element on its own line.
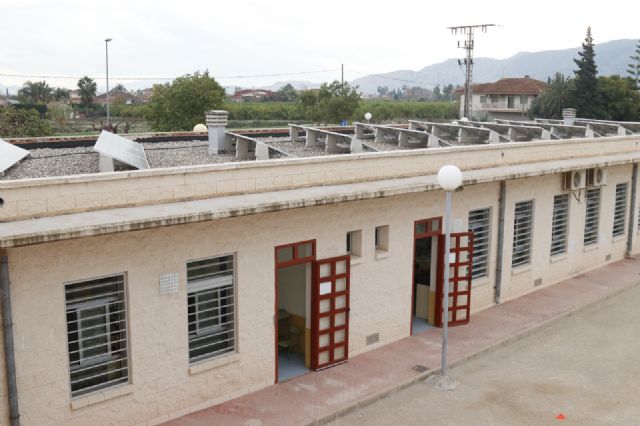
<point x="295" y="260"/>
<point x="429" y="232"/>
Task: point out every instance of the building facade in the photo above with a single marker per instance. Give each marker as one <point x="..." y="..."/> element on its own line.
<point x="507" y="99"/>
<point x="140" y="296"/>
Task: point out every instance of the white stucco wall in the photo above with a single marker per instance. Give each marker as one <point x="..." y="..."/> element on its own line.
<point x="162" y="383"/>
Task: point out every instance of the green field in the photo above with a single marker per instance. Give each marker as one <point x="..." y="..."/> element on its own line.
<point x="265" y="115"/>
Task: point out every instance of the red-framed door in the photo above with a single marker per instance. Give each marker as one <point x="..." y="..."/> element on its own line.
<point x="424" y="228"/>
<point x="330" y="312"/>
<point x="461" y="251"/>
<point x="288" y="255"/>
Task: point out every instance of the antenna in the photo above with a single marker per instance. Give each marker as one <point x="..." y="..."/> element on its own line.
<point x="468" y="61"/>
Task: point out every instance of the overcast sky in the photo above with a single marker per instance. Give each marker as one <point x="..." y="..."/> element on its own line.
<point x="157" y="38"/>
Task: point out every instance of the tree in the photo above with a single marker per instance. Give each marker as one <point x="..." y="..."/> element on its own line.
<point x="619" y="99"/>
<point x="437" y="94"/>
<point x="382" y="91"/>
<point x="38" y="92"/>
<point x="634" y="66"/>
<point x="59" y="94"/>
<point x="331" y="103"/>
<point x="119" y="88"/>
<point x="551" y="102"/>
<point x="183" y="103"/>
<point x="87" y="90"/>
<point x="447" y="92"/>
<point x="18" y="123"/>
<point x="287" y="93"/>
<point x="584" y="95"/>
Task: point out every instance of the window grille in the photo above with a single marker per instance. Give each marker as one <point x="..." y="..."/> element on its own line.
<point x="559" y="224"/>
<point x="211" y="307"/>
<point x="592" y="216"/>
<point x="620" y="209"/>
<point x="522" y="227"/>
<point x="479" y="221"/>
<point x="97" y="334"/>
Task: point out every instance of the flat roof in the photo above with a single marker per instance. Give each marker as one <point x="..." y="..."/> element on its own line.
<point x="52" y="161"/>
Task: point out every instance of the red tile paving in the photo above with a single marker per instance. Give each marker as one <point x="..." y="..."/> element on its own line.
<point x="315" y="396"/>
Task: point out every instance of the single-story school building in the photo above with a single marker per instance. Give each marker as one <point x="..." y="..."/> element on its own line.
<point x="198" y="271"/>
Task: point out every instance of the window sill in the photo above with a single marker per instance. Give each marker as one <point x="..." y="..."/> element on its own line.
<point x="382" y="254"/>
<point x="355" y="260"/>
<point x="100" y="396"/>
<point x="479" y="282"/>
<point x="619" y="238"/>
<point x="211" y="364"/>
<point x="590" y="247"/>
<point x="558" y="257"/>
<point x="521" y="269"/>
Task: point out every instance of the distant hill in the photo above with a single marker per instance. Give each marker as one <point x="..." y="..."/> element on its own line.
<point x="612" y="57"/>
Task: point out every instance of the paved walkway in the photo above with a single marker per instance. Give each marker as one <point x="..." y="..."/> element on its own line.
<point x="319" y="397"/>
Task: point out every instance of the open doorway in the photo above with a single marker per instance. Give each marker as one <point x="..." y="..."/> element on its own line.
<point x="294" y="265"/>
<point x="425" y="274"/>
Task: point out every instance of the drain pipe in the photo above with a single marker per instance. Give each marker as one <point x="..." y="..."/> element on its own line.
<point x="501" y="211"/>
<point x="632" y="208"/>
<point x="7" y="324"/>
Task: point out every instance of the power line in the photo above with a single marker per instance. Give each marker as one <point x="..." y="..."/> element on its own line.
<point x="172" y="78"/>
<point x="394" y="78"/>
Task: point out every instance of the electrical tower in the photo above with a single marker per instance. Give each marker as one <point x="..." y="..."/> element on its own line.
<point x="468" y="60"/>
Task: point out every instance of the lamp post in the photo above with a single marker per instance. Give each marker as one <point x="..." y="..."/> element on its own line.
<point x="106" y="47"/>
<point x="449" y="179"/>
<point x="367" y="116"/>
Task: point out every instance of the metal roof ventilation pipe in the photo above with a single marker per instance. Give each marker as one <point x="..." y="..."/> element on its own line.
<point x="216" y="123"/>
<point x="568" y="116"/>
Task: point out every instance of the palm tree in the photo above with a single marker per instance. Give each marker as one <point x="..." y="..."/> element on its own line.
<point x="551" y="102"/>
<point x="59" y="94"/>
<point x="87" y="88"/>
<point x="37" y="92"/>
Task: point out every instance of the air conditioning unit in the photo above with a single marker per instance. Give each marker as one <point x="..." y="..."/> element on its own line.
<point x="596" y="177"/>
<point x="574" y="180"/>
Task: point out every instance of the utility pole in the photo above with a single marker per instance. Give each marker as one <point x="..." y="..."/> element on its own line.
<point x="106" y="49"/>
<point x="342" y="76"/>
<point x="468" y="60"/>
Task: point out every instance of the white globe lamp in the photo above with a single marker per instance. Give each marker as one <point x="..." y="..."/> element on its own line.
<point x="200" y="128"/>
<point x="449" y="177"/>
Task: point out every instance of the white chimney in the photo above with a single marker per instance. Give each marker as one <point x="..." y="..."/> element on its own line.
<point x="569" y="116"/>
<point x="216" y="123"/>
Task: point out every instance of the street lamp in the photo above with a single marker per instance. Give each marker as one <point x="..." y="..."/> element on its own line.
<point x="449" y="179"/>
<point x="106" y="47"/>
<point x="367" y="116"/>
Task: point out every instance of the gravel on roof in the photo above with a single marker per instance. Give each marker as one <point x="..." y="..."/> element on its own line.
<point x="386" y="145"/>
<point x="297" y="149"/>
<point x="179" y="154"/>
<point x="49" y="162"/>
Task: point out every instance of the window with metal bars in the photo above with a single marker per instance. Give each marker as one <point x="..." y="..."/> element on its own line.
<point x="479" y="224"/>
<point x="592" y="216"/>
<point x="620" y="209"/>
<point x="559" y="224"/>
<point x="522" y="227"/>
<point x="211" y="307"/>
<point x="97" y="334"/>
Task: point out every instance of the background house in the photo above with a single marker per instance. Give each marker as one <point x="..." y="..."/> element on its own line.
<point x="507" y="98"/>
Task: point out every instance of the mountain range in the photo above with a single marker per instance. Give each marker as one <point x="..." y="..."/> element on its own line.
<point x="612" y="57"/>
